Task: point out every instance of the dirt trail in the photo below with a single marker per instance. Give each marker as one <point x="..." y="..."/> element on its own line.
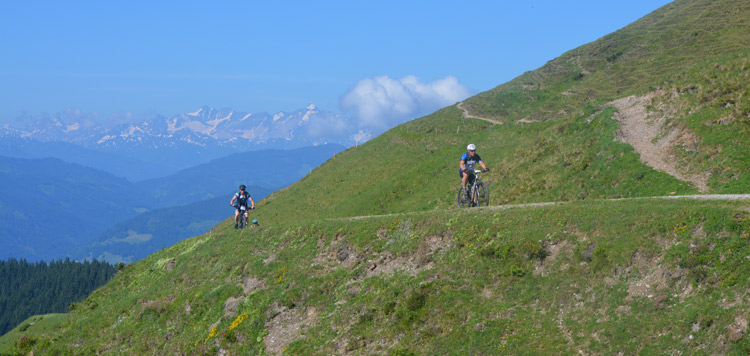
<point x="696" y="197"/>
<point x="470" y="116"/>
<point x="641" y="131"/>
<point x="526" y="205"/>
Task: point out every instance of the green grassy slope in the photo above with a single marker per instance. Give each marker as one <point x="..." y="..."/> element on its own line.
<point x="634" y="276"/>
<point x="414" y="167"/>
<point x="695" y="53"/>
<point x="40" y="326"/>
<point x="645" y="55"/>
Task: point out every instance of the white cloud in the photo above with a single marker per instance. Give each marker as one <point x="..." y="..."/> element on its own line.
<point x="362" y="137"/>
<point x="379" y="102"/>
<point x="331" y="125"/>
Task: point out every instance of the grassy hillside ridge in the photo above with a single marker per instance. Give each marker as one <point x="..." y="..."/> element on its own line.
<point x="83" y="204"/>
<point x="140" y="236"/>
<point x="558" y="137"/>
<point x="270" y="168"/>
<point x="184" y="217"/>
<point x="709" y="106"/>
<point x="589" y="276"/>
<point x="695" y="52"/>
<point x="414" y="167"/>
<point x="388" y="174"/>
<point x="636" y="59"/>
<point x="39" y="325"/>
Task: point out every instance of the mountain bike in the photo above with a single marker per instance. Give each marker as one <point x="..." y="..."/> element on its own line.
<point x="242" y="220"/>
<point x="477" y="194"/>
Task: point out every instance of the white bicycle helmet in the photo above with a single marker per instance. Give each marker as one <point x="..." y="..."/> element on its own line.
<point x="471" y="147"/>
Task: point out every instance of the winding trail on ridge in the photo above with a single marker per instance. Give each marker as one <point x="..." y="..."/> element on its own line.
<point x="527" y="205"/>
<point x="645" y="133"/>
<point x="470" y="116"/>
<point x="648" y="137"/>
<point x="635" y="129"/>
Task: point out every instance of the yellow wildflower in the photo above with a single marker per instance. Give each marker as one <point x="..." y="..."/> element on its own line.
<point x="238" y="321"/>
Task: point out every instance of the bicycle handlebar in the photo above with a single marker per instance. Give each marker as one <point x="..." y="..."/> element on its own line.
<point x="237" y="207"/>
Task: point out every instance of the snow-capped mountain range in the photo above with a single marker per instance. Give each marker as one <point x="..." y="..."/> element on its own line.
<point x="206" y="128"/>
<point x="160" y="145"/>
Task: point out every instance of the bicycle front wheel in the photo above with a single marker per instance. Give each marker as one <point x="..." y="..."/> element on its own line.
<point x="483" y="194"/>
<point x="243" y="220"/>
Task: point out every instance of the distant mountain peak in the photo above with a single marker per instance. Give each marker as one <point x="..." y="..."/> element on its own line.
<point x="195" y="113"/>
<point x="220" y="130"/>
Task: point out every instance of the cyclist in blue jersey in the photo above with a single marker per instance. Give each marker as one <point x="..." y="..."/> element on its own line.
<point x="241" y="198"/>
<point x="467" y="163"/>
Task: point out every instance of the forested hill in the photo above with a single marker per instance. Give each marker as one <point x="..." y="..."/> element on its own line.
<point x="28" y="289"/>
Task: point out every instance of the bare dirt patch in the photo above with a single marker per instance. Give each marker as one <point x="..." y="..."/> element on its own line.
<point x="738" y="329"/>
<point x="337" y="253"/>
<point x="286" y="325"/>
<point x="553" y="251"/>
<point x="526" y="121"/>
<point x="340" y="253"/>
<point x="413" y="263"/>
<point x="170" y="264"/>
<point x="230" y="307"/>
<point x="656" y="279"/>
<point x="653" y="282"/>
<point x="251" y="284"/>
<point x="649" y="137"/>
<point x="158" y="305"/>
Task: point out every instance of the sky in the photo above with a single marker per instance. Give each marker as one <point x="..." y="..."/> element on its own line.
<point x="118" y="60"/>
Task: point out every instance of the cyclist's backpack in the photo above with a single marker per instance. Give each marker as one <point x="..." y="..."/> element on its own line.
<point x="242" y="198"/>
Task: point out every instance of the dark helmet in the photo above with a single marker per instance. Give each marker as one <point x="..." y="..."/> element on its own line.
<point x="242" y="187"/>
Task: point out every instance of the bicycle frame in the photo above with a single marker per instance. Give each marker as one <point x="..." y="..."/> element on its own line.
<point x="473" y="190"/>
<point x="476" y="193"/>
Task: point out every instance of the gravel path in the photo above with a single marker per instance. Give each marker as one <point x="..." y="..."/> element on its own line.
<point x="696" y="197"/>
<point x="526" y="205"/>
<point x="711" y="197"/>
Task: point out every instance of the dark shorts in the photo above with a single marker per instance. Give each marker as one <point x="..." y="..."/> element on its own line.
<point x="460" y="174"/>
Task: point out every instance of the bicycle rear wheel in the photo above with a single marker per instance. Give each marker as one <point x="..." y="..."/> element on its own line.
<point x="462" y="199"/>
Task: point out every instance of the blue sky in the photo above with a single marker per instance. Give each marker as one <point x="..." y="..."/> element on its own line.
<point x="121" y="58"/>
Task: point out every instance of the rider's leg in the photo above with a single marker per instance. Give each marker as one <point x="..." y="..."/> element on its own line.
<point x="464" y="180"/>
<point x="236" y="215"/>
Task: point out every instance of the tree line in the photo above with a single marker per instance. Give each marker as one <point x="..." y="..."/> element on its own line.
<point x="28" y="288"/>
